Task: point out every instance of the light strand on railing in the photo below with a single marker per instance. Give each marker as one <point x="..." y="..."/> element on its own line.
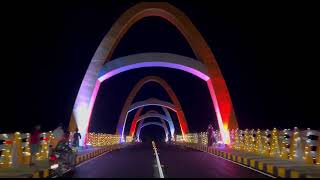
<point x="274" y="149"/>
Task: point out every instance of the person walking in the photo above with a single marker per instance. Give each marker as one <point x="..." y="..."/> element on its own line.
<point x="210" y="135"/>
<point x="35" y="142"/>
<point x="76" y="138"/>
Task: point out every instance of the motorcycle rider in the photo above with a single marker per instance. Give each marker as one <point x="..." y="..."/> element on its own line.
<point x="60" y="145"/>
<point x="64" y="148"/>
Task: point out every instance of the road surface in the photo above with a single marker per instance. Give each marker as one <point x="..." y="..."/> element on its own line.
<point x="138" y="161"/>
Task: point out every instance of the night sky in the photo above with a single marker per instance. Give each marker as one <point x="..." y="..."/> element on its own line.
<point x="267" y="54"/>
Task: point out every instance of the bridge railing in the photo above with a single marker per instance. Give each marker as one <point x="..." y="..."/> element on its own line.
<point x="15" y="148"/>
<point x="295" y="144"/>
<point x="102" y="139"/>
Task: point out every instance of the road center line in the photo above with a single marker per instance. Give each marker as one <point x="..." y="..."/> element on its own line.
<point x="158" y="160"/>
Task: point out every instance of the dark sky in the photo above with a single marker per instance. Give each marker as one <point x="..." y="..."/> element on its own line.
<point x="267" y="54"/>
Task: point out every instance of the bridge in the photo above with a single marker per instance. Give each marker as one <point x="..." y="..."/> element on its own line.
<point x="235" y="152"/>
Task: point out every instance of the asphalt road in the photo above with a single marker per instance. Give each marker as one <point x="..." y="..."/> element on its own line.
<point x="138" y="161"/>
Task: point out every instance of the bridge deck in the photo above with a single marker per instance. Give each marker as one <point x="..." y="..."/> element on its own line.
<point x="139" y="161"/>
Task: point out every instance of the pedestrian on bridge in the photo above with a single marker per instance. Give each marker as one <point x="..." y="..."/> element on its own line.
<point x="210" y="135"/>
<point x="35" y="142"/>
<point x="58" y="135"/>
<point x="76" y="138"/>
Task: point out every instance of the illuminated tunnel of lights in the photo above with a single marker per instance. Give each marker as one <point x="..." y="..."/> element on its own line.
<point x="89" y="88"/>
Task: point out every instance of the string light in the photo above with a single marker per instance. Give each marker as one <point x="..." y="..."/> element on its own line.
<point x="232" y="136"/>
<point x="251" y="141"/>
<point x="246" y="146"/>
<point x="179" y="138"/>
<point x="294" y="144"/>
<point x="266" y="145"/>
<point x="307" y="157"/>
<point x="258" y="145"/>
<point x="6" y="158"/>
<point x="275" y="149"/>
<point x="129" y="139"/>
<point x="241" y="137"/>
<point x="102" y="139"/>
<point x="26" y="154"/>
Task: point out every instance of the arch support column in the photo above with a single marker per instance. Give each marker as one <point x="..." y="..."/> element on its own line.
<point x="221" y="102"/>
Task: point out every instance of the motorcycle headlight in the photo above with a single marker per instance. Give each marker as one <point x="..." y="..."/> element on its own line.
<point x="54" y="166"/>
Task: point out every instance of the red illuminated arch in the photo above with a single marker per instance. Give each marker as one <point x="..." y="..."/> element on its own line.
<point x="89" y="87"/>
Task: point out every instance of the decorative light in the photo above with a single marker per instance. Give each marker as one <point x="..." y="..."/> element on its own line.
<point x="274" y="148"/>
<point x="6" y="157"/>
<point x="295" y="151"/>
<point x="284" y="144"/>
<point x="318" y="152"/>
<point x="101" y="139"/>
<point x="246" y="146"/>
<point x="307" y="157"/>
<point x="236" y="140"/>
<point x="241" y="137"/>
<point x="258" y="144"/>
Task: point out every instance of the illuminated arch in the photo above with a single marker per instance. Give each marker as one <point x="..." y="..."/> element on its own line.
<point x="162" y="124"/>
<point x="151" y="102"/>
<point x="152" y="111"/>
<point x="137" y="116"/>
<point x="90" y="85"/>
<point x="156" y="114"/>
<point x="153" y="59"/>
<point x="128" y="106"/>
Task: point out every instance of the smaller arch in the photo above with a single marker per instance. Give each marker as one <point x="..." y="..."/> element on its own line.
<point x="162" y="124"/>
<point x="152" y="102"/>
<point x="137" y="118"/>
<point x="133" y="93"/>
<point x="172" y="130"/>
<point x="153" y="113"/>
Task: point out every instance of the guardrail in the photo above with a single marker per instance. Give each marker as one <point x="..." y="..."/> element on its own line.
<point x="296" y="145"/>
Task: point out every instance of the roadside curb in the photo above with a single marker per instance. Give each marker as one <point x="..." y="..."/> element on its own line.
<point x="276" y="168"/>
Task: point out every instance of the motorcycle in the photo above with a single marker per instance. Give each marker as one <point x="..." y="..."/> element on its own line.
<point x="62" y="159"/>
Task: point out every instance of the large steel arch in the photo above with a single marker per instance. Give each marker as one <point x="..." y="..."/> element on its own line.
<point x="162" y="124"/>
<point x="128" y="106"/>
<point x="90" y="85"/>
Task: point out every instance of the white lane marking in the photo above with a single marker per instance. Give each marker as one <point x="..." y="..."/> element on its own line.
<point x="241" y="165"/>
<point x="158" y="160"/>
